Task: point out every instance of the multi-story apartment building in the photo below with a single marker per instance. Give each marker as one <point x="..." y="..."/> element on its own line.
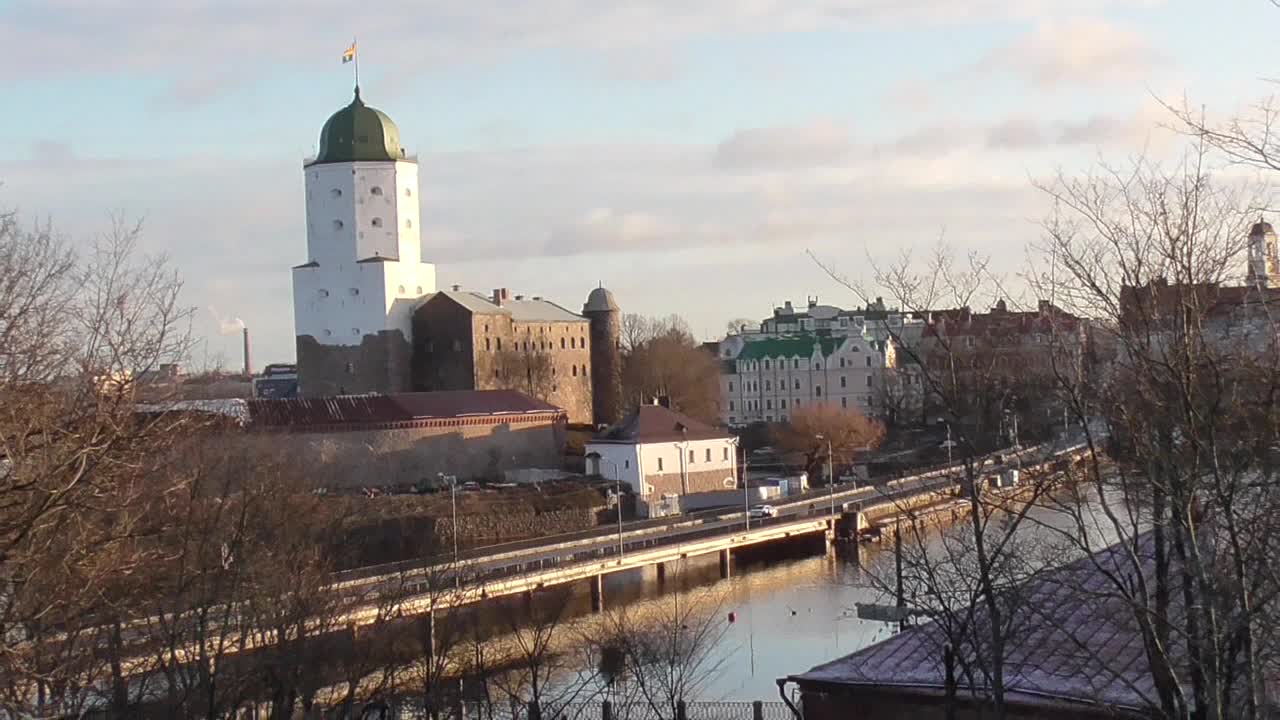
<point x="823" y="354"/>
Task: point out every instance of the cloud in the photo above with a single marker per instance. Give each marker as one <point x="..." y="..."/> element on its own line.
<point x="1015" y="134"/>
<point x="250" y="37"/>
<point x="784" y="147"/>
<point x="1082" y="51"/>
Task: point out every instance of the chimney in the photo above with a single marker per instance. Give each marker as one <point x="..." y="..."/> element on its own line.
<point x="1045" y="306"/>
<point x="813" y="301"/>
<point x="1000" y="306"/>
<point x="501" y="295"/>
<point x="248" y="367"/>
<point x="456" y="288"/>
<point x="788" y="307"/>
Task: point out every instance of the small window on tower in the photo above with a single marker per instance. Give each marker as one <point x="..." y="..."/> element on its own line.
<point x="400" y="289"/>
<point x="419" y="289"/>
<point x="337" y="224"/>
<point x="377" y="222"/>
<point x="351" y="369"/>
<point x="408" y="192"/>
<point x="408" y="223"/>
<point x="355" y="331"/>
<point x="353" y="291"/>
<point x="335" y="193"/>
<point x="324" y="293"/>
<point x="375" y="190"/>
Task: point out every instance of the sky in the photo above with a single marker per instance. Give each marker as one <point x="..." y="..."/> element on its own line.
<point x="692" y="155"/>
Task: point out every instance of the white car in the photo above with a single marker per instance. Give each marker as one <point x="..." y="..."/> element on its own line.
<point x="763" y="511"/>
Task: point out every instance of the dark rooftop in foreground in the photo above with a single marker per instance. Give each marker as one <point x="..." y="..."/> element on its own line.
<point x="1078" y="648"/>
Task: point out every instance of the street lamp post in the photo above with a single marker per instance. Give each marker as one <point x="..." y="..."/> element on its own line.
<point x="617" y="493"/>
<point x="948" y="443"/>
<point x="453" y="506"/>
<point x="831" y="473"/>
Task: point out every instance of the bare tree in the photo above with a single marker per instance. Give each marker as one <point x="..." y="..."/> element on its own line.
<point x="965" y="576"/>
<point x="80" y="332"/>
<point x="815" y="429"/>
<point x="660" y="654"/>
<point x="1181" y="467"/>
<point x="528" y="368"/>
<point x="661" y="358"/>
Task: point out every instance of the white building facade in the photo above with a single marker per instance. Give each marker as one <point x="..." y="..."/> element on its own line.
<point x="353" y="298"/>
<point x="660" y="453"/>
<point x="846" y="359"/>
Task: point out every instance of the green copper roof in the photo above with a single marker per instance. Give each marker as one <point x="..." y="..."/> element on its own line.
<point x="788" y="346"/>
<point x="358" y="132"/>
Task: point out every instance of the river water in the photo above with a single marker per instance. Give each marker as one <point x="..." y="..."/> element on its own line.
<point x="792" y="609"/>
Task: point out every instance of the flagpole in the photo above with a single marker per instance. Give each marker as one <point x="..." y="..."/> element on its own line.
<point x="356" y="59"/>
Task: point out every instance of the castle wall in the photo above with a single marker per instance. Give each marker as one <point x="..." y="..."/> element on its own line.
<point x="379" y="364"/>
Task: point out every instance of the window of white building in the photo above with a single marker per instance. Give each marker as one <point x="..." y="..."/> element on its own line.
<point x="375" y="190"/>
<point x="659" y="464"/>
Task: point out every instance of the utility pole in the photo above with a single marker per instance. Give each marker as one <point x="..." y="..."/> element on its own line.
<point x="897" y="572"/>
<point x="617" y="494"/>
<point x="453" y="505"/>
<point x="831" y="474"/>
<point x="948" y="443"/>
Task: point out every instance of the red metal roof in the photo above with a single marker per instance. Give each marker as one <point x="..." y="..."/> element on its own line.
<point x="400" y="407"/>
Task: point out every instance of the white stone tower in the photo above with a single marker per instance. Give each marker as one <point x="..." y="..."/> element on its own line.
<point x="1264" y="257"/>
<point x="353" y="297"/>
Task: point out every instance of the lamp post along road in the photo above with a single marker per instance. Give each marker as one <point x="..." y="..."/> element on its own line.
<point x="831" y="474"/>
<point x="453" y="522"/>
<point x="617" y="494"/>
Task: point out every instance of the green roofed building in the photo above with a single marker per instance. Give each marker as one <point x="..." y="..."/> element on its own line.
<point x="844" y="358"/>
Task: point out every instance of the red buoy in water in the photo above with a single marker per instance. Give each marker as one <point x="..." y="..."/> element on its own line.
<point x="733" y="617"/>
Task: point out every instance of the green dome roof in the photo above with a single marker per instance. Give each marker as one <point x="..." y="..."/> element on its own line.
<point x="358" y="132"/>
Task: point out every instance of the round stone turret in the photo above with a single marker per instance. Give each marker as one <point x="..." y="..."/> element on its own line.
<point x="358" y="132"/>
<point x="606" y="357"/>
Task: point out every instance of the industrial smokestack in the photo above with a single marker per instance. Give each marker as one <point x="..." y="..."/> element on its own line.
<point x="248" y="368"/>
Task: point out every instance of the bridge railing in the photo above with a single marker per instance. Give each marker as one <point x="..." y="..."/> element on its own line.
<point x="407" y="710"/>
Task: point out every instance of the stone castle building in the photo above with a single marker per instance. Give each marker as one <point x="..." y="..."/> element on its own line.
<point x="367" y="315"/>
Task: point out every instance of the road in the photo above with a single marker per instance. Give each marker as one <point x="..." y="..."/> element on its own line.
<point x="489" y="564"/>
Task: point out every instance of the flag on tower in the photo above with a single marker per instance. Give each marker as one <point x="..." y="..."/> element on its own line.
<point x="349" y="54"/>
